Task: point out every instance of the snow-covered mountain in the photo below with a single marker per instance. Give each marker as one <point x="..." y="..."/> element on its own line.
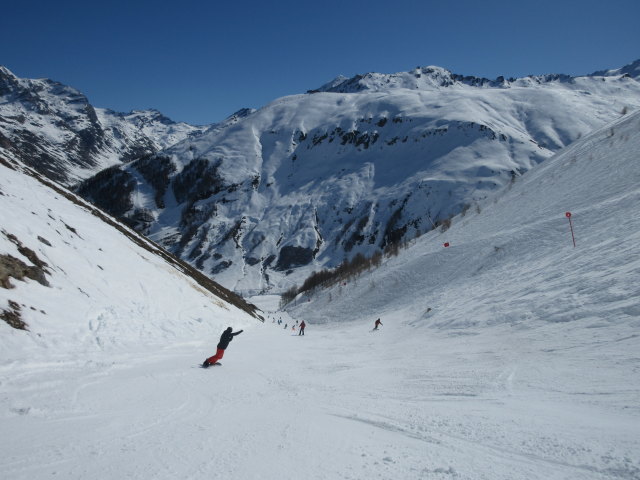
<point x="70" y="274"/>
<point x="351" y="167"/>
<point x="512" y="261"/>
<point x="509" y="355"/>
<point x="54" y="129"/>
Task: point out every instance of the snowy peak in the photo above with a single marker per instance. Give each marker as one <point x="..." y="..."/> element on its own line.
<point x="420" y="77"/>
<point x="235" y="117"/>
<point x="8" y="81"/>
<point x="146" y="117"/>
<point x="43" y="96"/>
<point x="632" y="70"/>
<point x="330" y="85"/>
<point x="53" y="128"/>
<point x="438" y="77"/>
<point x="242" y="113"/>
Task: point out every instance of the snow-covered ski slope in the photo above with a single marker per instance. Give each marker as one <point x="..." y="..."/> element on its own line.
<point x="512" y="261"/>
<point x="528" y="359"/>
<point x="526" y="366"/>
<point x="98" y="289"/>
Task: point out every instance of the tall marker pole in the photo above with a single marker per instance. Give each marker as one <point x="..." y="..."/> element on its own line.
<point x="568" y="215"/>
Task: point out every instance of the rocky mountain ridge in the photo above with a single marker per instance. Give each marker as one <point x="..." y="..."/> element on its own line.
<point x="438" y="77"/>
<point x="54" y="128"/>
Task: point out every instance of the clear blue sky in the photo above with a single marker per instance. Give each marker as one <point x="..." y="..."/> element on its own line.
<point x="200" y="61"/>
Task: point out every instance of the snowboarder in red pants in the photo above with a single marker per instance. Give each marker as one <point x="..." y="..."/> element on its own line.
<point x="302" y="325"/>
<point x="225" y="338"/>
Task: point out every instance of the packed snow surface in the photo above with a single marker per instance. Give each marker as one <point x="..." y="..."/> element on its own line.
<point x="509" y="354"/>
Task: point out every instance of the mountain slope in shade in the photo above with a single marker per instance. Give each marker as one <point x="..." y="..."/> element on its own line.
<point x="53" y="128"/>
<point x="351" y="167"/>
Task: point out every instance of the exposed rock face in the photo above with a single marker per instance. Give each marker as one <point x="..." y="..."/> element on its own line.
<point x="12" y="316"/>
<point x="294" y="257"/>
<point x="12" y="267"/>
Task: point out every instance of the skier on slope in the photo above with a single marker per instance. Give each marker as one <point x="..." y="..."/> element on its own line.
<point x="225" y="338"/>
<point x="302" y="325"/>
<point x="378" y="322"/>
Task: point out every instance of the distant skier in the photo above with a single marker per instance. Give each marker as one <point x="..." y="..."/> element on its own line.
<point x="302" y="325"/>
<point x="378" y="322"/>
<point x="285" y="326"/>
<point x="225" y="338"/>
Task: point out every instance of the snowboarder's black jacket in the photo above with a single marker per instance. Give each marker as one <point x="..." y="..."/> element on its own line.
<point x="226" y="337"/>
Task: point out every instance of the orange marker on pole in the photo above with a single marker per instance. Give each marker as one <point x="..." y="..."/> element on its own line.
<point x="568" y="215"/>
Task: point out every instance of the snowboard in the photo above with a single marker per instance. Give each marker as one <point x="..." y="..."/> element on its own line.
<point x="217" y="363"/>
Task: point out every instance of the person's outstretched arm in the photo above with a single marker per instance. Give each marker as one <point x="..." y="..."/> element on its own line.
<point x="237" y="333"/>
